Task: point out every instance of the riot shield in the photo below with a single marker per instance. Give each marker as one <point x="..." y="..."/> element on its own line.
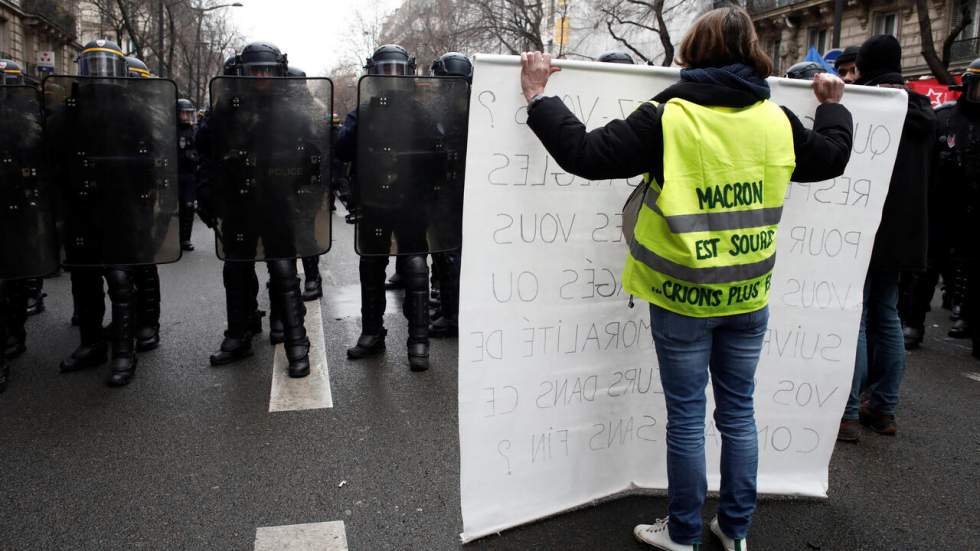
<point x="28" y="238"/>
<point x="270" y="147"/>
<point x="411" y="152"/>
<point x="113" y="144"/>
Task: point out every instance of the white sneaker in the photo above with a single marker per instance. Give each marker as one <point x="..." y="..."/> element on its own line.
<point x="728" y="543"/>
<point x="656" y="535"/>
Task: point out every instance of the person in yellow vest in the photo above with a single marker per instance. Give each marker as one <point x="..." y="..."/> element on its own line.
<point x="718" y="156"/>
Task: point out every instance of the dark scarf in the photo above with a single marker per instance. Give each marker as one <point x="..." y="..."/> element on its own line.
<point x="738" y="76"/>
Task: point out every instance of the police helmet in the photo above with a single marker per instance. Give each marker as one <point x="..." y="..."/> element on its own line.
<point x="971" y="82"/>
<point x="295" y="72"/>
<point x="616" y="57"/>
<point x="136" y="68"/>
<point x="390" y="59"/>
<point x="102" y="58"/>
<point x="805" y="70"/>
<point x="262" y="59"/>
<point x="453" y="64"/>
<point x="230" y="68"/>
<point x="186" y="112"/>
<point x="10" y="73"/>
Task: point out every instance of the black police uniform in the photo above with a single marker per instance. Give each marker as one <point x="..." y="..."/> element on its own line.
<point x="133" y="291"/>
<point x="446" y="265"/>
<point x="413" y="268"/>
<point x="241" y="284"/>
<point x="959" y="178"/>
<point x="187" y="175"/>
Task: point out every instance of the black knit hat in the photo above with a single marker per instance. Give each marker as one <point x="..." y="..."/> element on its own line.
<point x="849" y="55"/>
<point x="879" y="55"/>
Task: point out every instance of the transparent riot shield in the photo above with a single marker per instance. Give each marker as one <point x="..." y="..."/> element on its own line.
<point x="411" y="151"/>
<point x="269" y="147"/>
<point x="113" y="145"/>
<point x="28" y="238"/>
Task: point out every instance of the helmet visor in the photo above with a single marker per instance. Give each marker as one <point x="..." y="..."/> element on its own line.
<point x="263" y="70"/>
<point x="395" y="68"/>
<point x="187" y="116"/>
<point x="102" y="64"/>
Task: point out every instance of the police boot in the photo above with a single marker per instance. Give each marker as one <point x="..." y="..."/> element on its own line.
<point x="186" y="226"/>
<point x="285" y="294"/>
<point x="960" y="328"/>
<point x="16" y="342"/>
<point x="913" y="336"/>
<point x="147" y="308"/>
<point x="372" y="339"/>
<point x="313" y="286"/>
<point x="4" y="368"/>
<point x="447" y="325"/>
<point x="416" y="309"/>
<point x="122" y="294"/>
<point x="244" y="318"/>
<point x="35" y="296"/>
<point x="277" y="330"/>
<point x="89" y="300"/>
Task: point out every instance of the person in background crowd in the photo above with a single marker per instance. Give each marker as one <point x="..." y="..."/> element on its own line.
<point x="846" y="64"/>
<point x="722" y="99"/>
<point x="958" y="176"/>
<point x="900" y="246"/>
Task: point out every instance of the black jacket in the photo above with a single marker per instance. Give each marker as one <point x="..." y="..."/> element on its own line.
<point x="626" y="148"/>
<point x="902" y="241"/>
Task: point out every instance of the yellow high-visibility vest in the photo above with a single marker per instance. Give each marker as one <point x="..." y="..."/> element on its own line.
<point x="704" y="243"/>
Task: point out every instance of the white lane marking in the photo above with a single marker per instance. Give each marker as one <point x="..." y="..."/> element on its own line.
<point x="312" y="391"/>
<point x="318" y="536"/>
<point x="973" y="376"/>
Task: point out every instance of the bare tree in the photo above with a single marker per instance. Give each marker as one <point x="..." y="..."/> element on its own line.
<point x="626" y="20"/>
<point x="515" y="25"/>
<point x="940" y="65"/>
<point x="190" y="56"/>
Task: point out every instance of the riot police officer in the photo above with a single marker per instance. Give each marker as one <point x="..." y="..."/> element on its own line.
<point x="225" y="207"/>
<point x="28" y="247"/>
<point x="402" y="151"/>
<point x="313" y="284"/>
<point x="446" y="265"/>
<point x="132" y="151"/>
<point x="187" y="169"/>
<point x="17" y="293"/>
<point x="616" y="56"/>
<point x="959" y="178"/>
<point x="146" y="279"/>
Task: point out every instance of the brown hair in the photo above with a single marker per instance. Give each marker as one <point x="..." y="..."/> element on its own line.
<point x="724" y="36"/>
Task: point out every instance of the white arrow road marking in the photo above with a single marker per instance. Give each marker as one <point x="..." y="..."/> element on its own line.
<point x="973" y="376"/>
<point x="318" y="536"/>
<point x="312" y="391"/>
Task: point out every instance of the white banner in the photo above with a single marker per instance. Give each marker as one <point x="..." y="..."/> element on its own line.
<point x="560" y="401"/>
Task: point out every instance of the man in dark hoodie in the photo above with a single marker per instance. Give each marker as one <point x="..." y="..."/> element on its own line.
<point x="900" y="246"/>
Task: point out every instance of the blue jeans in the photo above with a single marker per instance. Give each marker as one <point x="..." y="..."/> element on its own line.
<point x="688" y="348"/>
<point x="880" y="360"/>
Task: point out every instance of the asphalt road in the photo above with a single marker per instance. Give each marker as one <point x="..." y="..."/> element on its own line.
<point x="190" y="457"/>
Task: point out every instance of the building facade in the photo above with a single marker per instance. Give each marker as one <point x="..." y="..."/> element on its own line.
<point x="788" y="28"/>
<point x="40" y="35"/>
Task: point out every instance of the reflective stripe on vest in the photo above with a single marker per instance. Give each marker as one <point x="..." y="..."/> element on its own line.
<point x="704" y="242"/>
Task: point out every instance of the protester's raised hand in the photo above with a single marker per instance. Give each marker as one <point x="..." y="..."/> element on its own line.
<point x="828" y="88"/>
<point x="535" y="70"/>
